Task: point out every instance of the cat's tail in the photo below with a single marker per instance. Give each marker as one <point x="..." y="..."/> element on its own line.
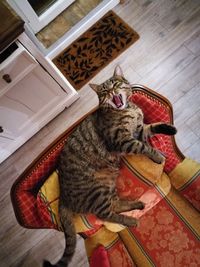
<point x="70" y="239"/>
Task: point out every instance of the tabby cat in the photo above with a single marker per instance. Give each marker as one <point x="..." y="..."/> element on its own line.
<point x="90" y="160"/>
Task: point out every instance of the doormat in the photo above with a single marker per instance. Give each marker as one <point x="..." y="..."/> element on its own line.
<point x="95" y="49"/>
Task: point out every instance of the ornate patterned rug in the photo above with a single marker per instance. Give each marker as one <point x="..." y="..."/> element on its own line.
<point x="95" y="49"/>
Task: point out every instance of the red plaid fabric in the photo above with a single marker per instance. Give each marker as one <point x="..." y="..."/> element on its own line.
<point x="156" y="111"/>
<point x="24" y="191"/>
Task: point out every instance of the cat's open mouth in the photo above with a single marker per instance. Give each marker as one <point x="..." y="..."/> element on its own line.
<point x="117" y="100"/>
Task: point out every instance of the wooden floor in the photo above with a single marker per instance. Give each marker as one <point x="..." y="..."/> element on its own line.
<point x="167" y="59"/>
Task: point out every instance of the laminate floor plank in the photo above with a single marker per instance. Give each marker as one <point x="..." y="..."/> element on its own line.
<point x="146" y="62"/>
<point x="187" y="106"/>
<point x="168" y="68"/>
<point x="182" y="83"/>
<point x="193" y="43"/>
<point x="170" y="14"/>
<point x="193" y="151"/>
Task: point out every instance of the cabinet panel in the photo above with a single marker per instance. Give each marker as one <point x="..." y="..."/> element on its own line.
<point x="16" y="66"/>
<point x="28" y="106"/>
<point x="32" y="93"/>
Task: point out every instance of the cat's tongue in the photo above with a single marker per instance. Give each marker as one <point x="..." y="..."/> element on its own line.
<point x="117" y="100"/>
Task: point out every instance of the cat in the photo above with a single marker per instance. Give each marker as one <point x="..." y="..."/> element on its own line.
<point x="90" y="160"/>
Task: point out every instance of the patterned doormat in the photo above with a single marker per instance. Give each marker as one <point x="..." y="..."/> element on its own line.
<point x="95" y="49"/>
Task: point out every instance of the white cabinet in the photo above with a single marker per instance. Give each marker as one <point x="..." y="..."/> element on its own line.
<point x="29" y="98"/>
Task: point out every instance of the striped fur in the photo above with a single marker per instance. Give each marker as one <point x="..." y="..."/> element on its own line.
<point x="89" y="162"/>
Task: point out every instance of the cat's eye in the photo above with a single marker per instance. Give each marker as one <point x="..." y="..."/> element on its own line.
<point x="116" y="84"/>
<point x="103" y="99"/>
<point x="104" y="92"/>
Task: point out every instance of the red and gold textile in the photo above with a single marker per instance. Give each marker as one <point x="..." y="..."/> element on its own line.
<point x="186" y="179"/>
<point x="167" y="236"/>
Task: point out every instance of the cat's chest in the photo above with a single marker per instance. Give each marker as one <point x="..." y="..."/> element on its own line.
<point x="129" y="116"/>
<point x="135" y="113"/>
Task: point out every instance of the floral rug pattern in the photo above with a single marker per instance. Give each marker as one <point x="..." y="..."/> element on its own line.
<point x="97" y="47"/>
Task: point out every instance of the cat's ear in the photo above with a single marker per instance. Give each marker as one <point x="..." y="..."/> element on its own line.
<point x="118" y="71"/>
<point x="94" y="87"/>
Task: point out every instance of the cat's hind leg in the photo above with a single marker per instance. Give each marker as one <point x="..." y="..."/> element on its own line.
<point x="111" y="214"/>
<point x="127" y="205"/>
<point x="121" y="219"/>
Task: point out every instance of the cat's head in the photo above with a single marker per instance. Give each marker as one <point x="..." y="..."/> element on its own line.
<point x="114" y="92"/>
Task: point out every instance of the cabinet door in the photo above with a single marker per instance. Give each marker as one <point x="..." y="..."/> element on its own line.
<point x="26" y="107"/>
